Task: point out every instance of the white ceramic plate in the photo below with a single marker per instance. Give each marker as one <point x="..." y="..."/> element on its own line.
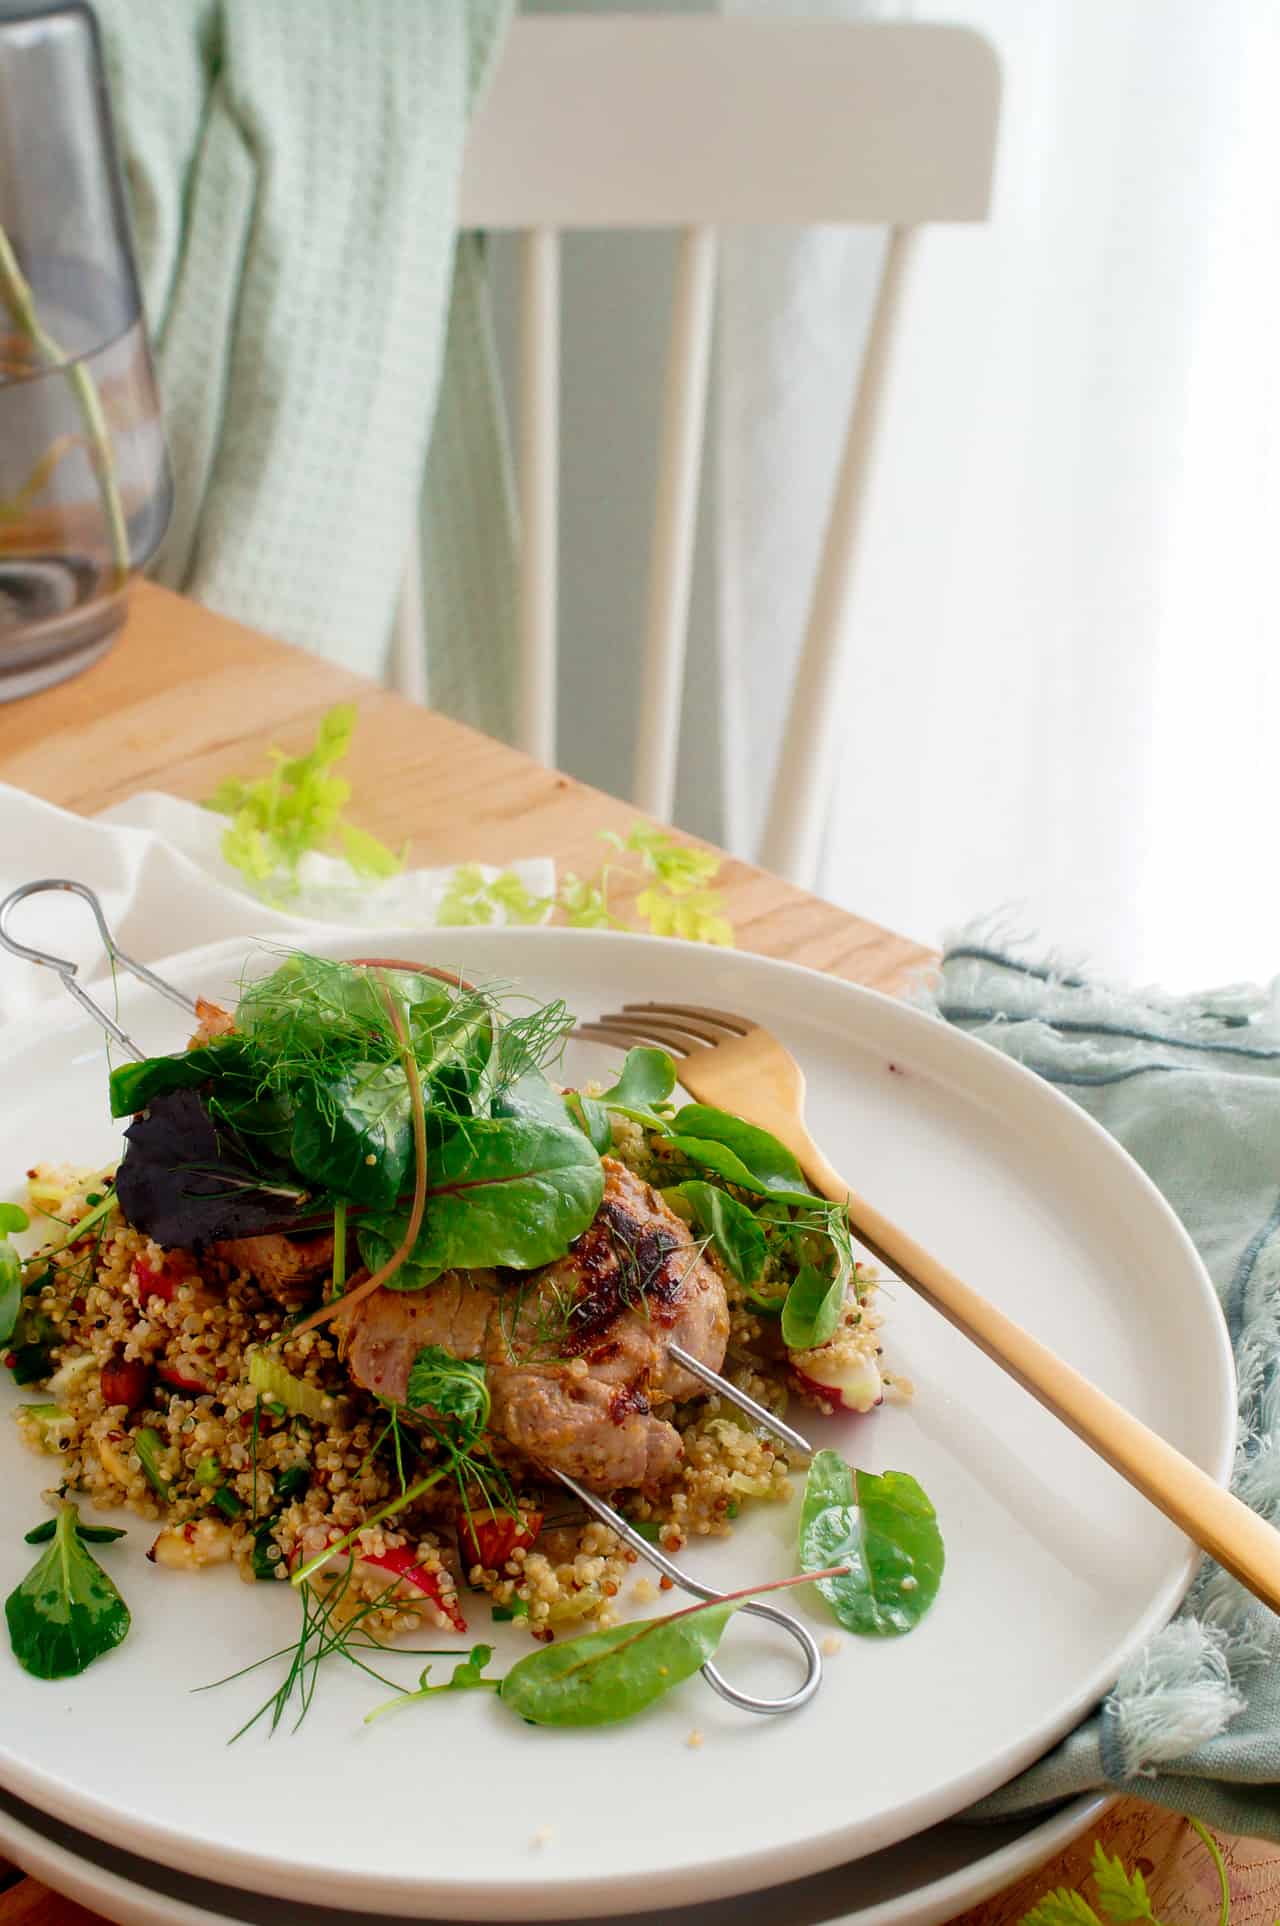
<point x="920" y="1882"/>
<point x="1056" y="1571"/>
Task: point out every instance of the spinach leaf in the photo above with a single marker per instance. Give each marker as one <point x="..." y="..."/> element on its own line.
<point x="133" y="1085"/>
<point x="889" y="1539"/>
<point x="813" y="1307"/>
<point x="352" y="1133"/>
<point x="647" y="1080"/>
<point x="591" y="1117"/>
<point x="30" y="1355"/>
<point x="830" y="1482"/>
<point x="66" y="1612"/>
<point x="732" y="1228"/>
<point x="453" y="1388"/>
<point x="509" y="1191"/>
<point x="12" y="1218"/>
<point x="602" y="1677"/>
<point x="741" y="1152"/>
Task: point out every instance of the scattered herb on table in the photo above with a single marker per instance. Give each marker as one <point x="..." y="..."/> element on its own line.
<point x="677" y="898"/>
<point x="66" y="1612"/>
<point x="884" y="1532"/>
<point x="1122" y="1895"/>
<point x="279" y="818"/>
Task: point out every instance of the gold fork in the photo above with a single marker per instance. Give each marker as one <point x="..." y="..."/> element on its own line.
<point x="731" y="1062"/>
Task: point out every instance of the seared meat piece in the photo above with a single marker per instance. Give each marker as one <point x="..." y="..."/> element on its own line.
<point x="382" y="1336"/>
<point x="214" y="1021"/>
<point x="286" y="1267"/>
<point x="576" y="1353"/>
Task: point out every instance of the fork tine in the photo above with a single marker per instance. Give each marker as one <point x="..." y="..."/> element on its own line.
<point x="681" y="1036"/>
<point x="620" y="1038"/>
<point x="738" y="1026"/>
<point x="688" y="1025"/>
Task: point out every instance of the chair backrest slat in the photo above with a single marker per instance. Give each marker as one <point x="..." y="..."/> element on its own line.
<point x="801" y="792"/>
<point x="675" y="520"/>
<point x="632" y="121"/>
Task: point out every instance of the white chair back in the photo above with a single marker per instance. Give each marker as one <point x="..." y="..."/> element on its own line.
<point x="696" y="123"/>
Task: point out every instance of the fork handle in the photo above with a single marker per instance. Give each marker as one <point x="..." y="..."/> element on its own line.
<point x="1242" y="1543"/>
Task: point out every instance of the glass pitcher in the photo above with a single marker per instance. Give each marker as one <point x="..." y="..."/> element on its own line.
<point x="85" y="487"/>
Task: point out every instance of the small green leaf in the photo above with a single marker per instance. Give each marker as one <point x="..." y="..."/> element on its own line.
<point x="891" y="1543"/>
<point x="1062" y="1908"/>
<point x="13" y="1218"/>
<point x="592" y="1117"/>
<point x="66" y="1612"/>
<point x="814" y="1306"/>
<point x="454" y="1388"/>
<point x="748" y="1156"/>
<point x="91" y="1534"/>
<point x="648" y="1078"/>
<point x="735" y="1235"/>
<point x="1122" y="1895"/>
<point x="467" y="1676"/>
<point x="829" y="1482"/>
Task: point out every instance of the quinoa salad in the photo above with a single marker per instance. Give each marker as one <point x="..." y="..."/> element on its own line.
<point x="369" y="1283"/>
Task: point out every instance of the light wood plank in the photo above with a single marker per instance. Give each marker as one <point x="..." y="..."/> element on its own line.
<point x="187" y="697"/>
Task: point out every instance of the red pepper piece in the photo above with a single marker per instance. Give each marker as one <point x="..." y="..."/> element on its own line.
<point x="401" y="1562"/>
<point x="488" y="1538"/>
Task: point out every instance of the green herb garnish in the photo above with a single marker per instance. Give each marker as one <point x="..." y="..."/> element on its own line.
<point x="12" y="1218"/>
<point x="66" y="1612"/>
<point x="91" y="1534"/>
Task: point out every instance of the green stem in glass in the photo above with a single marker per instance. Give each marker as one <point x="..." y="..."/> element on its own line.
<point x="15" y="291"/>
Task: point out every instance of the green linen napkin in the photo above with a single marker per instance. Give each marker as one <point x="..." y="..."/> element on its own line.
<point x="293" y="170"/>
<point x="1190" y="1086"/>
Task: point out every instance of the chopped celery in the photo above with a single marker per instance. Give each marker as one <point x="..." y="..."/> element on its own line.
<point x="270" y="1379"/>
<point x="150" y="1448"/>
<point x="54" y="1426"/>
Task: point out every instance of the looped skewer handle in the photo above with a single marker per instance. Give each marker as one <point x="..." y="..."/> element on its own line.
<point x="747" y="1701"/>
<point x="67" y="970"/>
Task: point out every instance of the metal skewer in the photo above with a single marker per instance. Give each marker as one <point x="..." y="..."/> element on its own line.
<point x="747" y="1701"/>
<point x="67" y="970"/>
<point x="760" y="1412"/>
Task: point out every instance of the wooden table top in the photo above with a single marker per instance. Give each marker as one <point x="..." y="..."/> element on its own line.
<point x="187" y="697"/>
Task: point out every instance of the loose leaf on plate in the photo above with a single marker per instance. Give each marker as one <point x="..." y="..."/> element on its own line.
<point x="602" y="1677"/>
<point x="814" y="1306"/>
<point x="890" y="1541"/>
<point x="12" y="1218"/>
<point x="510" y="1191"/>
<point x="466" y="1676"/>
<point x="830" y="1482"/>
<point x="591" y="1117"/>
<point x="66" y="1612"/>
<point x="736" y="1236"/>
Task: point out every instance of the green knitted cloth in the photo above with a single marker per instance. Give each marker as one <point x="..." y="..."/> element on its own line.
<point x="293" y="167"/>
